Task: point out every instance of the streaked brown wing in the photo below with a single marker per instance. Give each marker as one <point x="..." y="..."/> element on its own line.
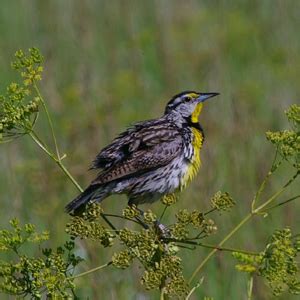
<point x="153" y="150"/>
<point x="140" y="135"/>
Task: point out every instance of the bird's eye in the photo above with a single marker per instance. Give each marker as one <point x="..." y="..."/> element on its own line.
<point x="187" y="98"/>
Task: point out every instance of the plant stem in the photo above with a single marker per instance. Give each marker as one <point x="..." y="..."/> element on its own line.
<point x="109" y="223"/>
<point x="250" y="288"/>
<point x="67" y="173"/>
<point x="163" y="212"/>
<point x="194" y="288"/>
<point x="272" y="198"/>
<point x="37" y="140"/>
<point x="91" y="270"/>
<point x="44" y="147"/>
<point x="216" y="247"/>
<point x="209" y="211"/>
<point x="48" y="118"/>
<point x="239" y="225"/>
<point x="120" y="217"/>
<point x="281" y="203"/>
<point x="274" y="167"/>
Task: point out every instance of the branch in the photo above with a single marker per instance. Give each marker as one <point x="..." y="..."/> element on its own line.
<point x="194" y="288"/>
<point x="91" y="270"/>
<point x="46" y="149"/>
<point x="274" y="167"/>
<point x="281" y="203"/>
<point x="49" y="119"/>
<point x="216" y="247"/>
<point x="120" y="217"/>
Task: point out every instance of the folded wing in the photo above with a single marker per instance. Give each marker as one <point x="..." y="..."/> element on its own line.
<point x="138" y="150"/>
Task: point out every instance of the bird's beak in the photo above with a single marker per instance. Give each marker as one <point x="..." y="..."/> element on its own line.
<point x="204" y="96"/>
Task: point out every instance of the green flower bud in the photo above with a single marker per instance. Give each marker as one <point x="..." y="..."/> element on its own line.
<point x="222" y="201"/>
<point x="169" y="199"/>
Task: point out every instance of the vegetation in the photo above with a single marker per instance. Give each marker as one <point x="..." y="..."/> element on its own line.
<point x="155" y="248"/>
<point x="265" y="250"/>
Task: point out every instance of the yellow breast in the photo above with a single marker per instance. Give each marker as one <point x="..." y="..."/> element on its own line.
<point x="195" y="162"/>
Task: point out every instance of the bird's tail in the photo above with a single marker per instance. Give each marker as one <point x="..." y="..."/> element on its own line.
<point x="93" y="193"/>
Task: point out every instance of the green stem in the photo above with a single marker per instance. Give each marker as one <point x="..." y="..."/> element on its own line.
<point x="209" y="211"/>
<point x="41" y="144"/>
<point x="120" y="217"/>
<point x="250" y="288"/>
<point x="274" y="167"/>
<point x="194" y="288"/>
<point x="91" y="270"/>
<point x="281" y="203"/>
<point x="48" y="118"/>
<point x="109" y="223"/>
<point x="162" y="293"/>
<point x="238" y="226"/>
<point x="163" y="212"/>
<point x="44" y="147"/>
<point x="216" y="247"/>
<point x="67" y="173"/>
<point x="271" y="199"/>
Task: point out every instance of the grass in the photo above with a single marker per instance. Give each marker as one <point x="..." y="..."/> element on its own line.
<point x="111" y="64"/>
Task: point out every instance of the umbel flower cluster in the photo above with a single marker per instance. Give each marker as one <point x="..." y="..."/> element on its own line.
<point x="88" y="226"/>
<point x="155" y="246"/>
<point x="287" y="142"/>
<point x="49" y="273"/>
<point x="277" y="263"/>
<point x="20" y="104"/>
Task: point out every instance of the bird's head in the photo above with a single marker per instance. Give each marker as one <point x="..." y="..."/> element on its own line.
<point x="188" y="104"/>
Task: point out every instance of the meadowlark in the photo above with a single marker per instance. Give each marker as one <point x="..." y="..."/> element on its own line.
<point x="152" y="158"/>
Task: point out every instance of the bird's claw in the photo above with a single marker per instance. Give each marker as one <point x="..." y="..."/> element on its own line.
<point x="162" y="230"/>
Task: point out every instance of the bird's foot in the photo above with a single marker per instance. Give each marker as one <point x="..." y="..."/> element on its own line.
<point x="162" y="230"/>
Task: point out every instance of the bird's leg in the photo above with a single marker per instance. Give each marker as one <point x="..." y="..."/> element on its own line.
<point x="160" y="228"/>
<point x="139" y="218"/>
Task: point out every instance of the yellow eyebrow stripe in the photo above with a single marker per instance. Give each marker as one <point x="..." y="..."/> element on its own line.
<point x="193" y="95"/>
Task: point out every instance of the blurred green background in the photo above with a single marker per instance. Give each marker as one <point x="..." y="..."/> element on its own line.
<point x="111" y="63"/>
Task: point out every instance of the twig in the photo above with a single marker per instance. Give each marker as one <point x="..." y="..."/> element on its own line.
<point x="163" y="213"/>
<point x="216" y="247"/>
<point x="274" y="167"/>
<point x="272" y="198"/>
<point x="68" y="174"/>
<point x="281" y="203"/>
<point x="121" y="217"/>
<point x="194" y="288"/>
<point x="45" y="148"/>
<point x="209" y="211"/>
<point x="48" y="117"/>
<point x="41" y="144"/>
<point x="91" y="270"/>
<point x="250" y="288"/>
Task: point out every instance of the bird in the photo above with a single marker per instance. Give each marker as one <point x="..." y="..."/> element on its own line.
<point x="151" y="158"/>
